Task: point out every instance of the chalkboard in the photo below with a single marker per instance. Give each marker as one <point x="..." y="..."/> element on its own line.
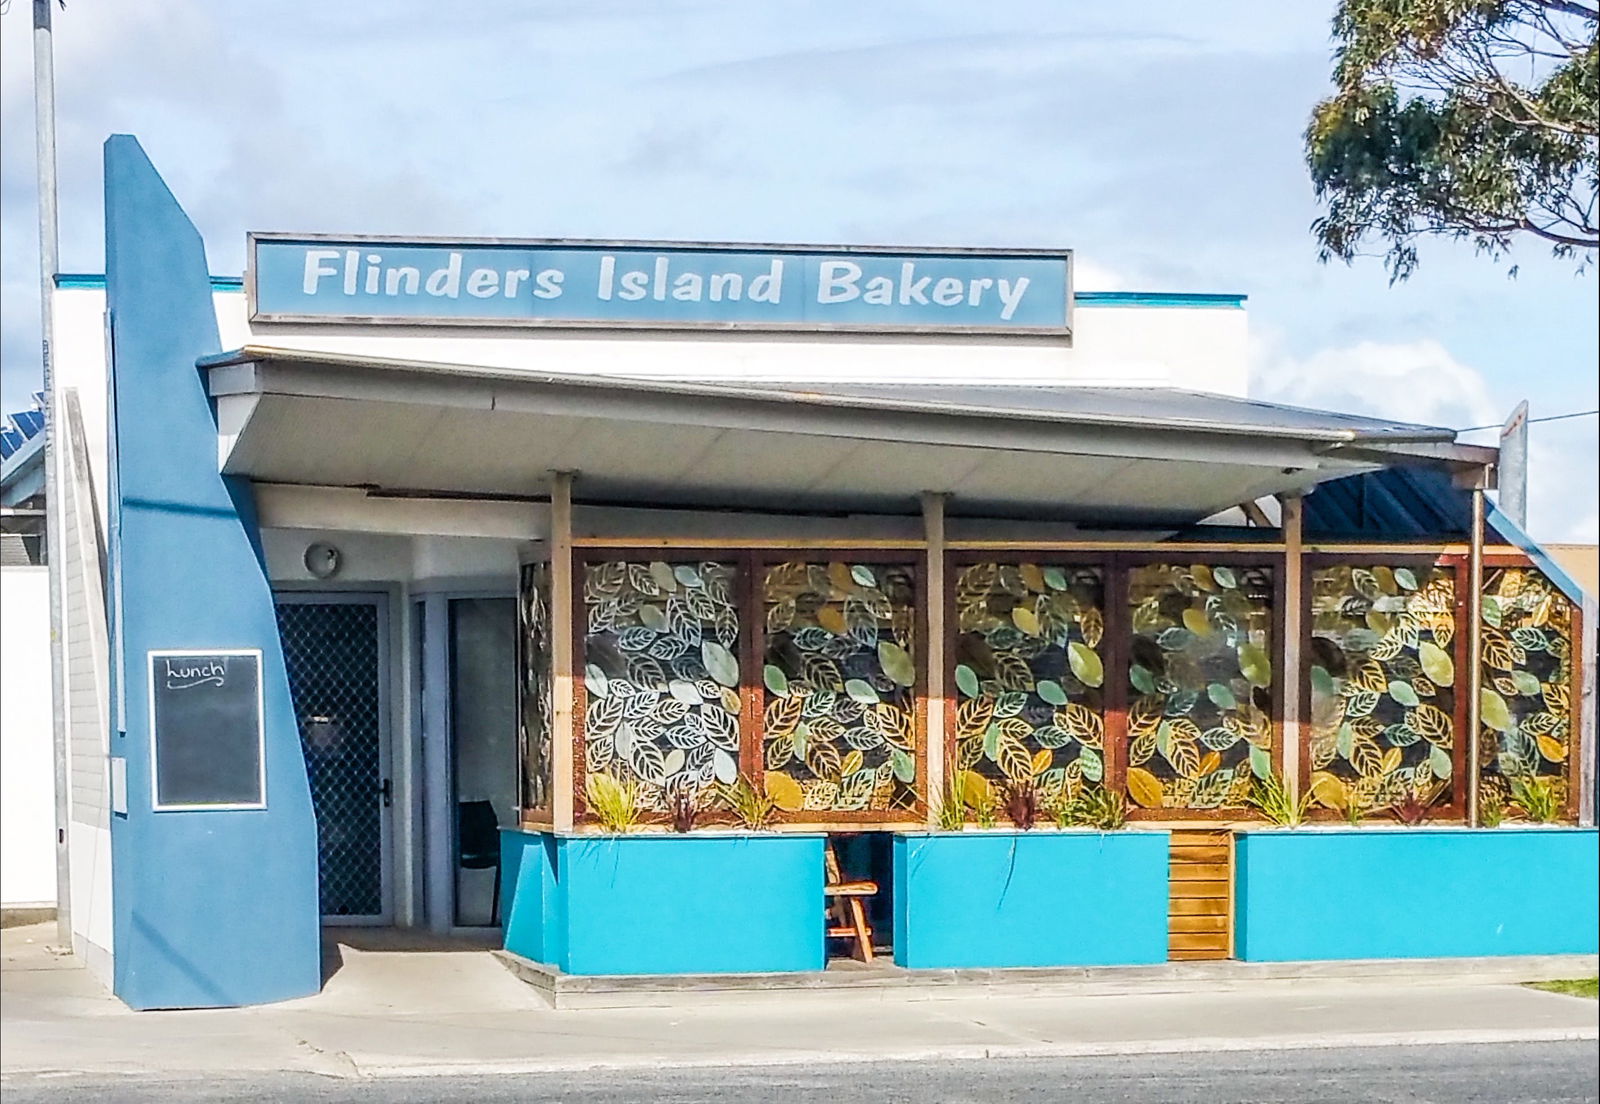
<point x="205" y="729"/>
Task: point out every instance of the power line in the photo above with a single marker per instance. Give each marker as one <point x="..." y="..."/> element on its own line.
<point x="1550" y="418"/>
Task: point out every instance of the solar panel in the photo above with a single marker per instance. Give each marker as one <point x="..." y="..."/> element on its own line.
<point x="29" y="423"/>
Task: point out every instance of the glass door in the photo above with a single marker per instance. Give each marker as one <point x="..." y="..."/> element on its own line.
<point x="483" y="749"/>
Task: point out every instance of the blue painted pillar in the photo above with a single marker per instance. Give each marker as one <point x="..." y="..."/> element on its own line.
<point x="210" y="907"/>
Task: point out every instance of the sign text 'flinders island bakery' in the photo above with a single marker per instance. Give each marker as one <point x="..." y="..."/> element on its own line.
<point x="307" y="279"/>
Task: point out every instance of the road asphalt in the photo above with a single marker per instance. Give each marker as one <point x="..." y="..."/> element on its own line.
<point x="1528" y="1073"/>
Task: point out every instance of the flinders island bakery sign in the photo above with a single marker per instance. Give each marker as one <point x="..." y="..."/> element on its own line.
<point x="363" y="281"/>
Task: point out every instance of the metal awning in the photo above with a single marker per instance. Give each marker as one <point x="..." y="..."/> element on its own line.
<point x="1107" y="455"/>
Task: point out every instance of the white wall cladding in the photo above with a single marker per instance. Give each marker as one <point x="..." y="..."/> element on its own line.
<point x="1197" y="348"/>
<point x="27" y="809"/>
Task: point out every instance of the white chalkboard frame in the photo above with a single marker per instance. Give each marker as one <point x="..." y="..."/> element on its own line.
<point x="261" y="729"/>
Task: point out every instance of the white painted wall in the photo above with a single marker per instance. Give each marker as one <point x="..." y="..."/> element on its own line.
<point x="27" y="765"/>
<point x="90" y="847"/>
<point x="1198" y="348"/>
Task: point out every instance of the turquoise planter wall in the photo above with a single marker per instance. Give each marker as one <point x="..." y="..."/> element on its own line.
<point x="1439" y="892"/>
<point x="664" y="904"/>
<point x="981" y="899"/>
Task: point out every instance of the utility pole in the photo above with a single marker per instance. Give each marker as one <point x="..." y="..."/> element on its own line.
<point x="1513" y="477"/>
<point x="44" y="114"/>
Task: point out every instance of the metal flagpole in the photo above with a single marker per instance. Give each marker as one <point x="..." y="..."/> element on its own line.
<point x="44" y="105"/>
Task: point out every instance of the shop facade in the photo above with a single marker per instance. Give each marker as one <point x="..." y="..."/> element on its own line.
<point x="567" y="587"/>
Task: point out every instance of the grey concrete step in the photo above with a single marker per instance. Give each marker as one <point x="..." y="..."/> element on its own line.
<point x="885" y="981"/>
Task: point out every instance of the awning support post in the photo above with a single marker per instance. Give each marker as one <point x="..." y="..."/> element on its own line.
<point x="1293" y="513"/>
<point x="937" y="702"/>
<point x="563" y="618"/>
<point x="1474" y="647"/>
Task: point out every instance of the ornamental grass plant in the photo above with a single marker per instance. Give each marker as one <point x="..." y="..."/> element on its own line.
<point x="615" y="804"/>
<point x="1272" y="799"/>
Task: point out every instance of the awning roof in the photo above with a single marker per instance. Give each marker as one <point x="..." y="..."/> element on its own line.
<point x="1068" y="453"/>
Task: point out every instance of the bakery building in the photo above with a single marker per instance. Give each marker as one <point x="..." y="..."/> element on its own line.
<point x="942" y="614"/>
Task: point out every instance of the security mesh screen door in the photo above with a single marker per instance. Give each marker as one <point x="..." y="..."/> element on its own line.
<point x="334" y="647"/>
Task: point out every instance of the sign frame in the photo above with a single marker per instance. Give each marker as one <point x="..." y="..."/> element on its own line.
<point x="254" y="314"/>
<point x="261" y="731"/>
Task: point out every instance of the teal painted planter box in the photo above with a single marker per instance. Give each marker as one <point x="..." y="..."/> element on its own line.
<point x="1042" y="898"/>
<point x="664" y="904"/>
<point x="1415" y="893"/>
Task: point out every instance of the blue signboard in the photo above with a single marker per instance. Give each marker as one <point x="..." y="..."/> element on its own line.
<point x="657" y="285"/>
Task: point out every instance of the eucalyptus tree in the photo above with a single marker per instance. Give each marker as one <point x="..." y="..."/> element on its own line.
<point x="1466" y="119"/>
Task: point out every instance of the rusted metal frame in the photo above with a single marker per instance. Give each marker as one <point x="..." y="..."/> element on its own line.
<point x="673" y="545"/>
<point x="540" y="817"/>
<point x="1111" y="658"/>
<point x="1456" y="810"/>
<point x="1093" y="547"/>
<point x="1578" y="751"/>
<point x="1255" y="557"/>
<point x="904" y="554"/>
<point x="582" y="558"/>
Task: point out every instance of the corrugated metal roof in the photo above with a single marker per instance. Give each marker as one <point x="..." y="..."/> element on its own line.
<point x="1401" y="503"/>
<point x="1139" y="408"/>
<point x="1126" y="405"/>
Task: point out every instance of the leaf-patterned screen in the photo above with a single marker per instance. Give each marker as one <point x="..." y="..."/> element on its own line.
<point x="839" y="680"/>
<point x="661" y="674"/>
<point x="1382" y="677"/>
<point x="1200" y="684"/>
<point x="1526" y="706"/>
<point x="534" y="707"/>
<point x="1030" y="675"/>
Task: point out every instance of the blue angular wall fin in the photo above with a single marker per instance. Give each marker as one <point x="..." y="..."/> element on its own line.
<point x="210" y="908"/>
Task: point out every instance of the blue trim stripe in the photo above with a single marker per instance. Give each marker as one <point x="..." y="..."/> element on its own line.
<point x="1514" y="534"/>
<point x="92" y="281"/>
<point x="1157" y="299"/>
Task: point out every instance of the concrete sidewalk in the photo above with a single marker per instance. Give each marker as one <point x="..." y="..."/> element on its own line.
<point x="458" y="1010"/>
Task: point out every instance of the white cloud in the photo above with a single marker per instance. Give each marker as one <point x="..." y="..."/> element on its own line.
<point x="1422" y="381"/>
<point x="1411" y="381"/>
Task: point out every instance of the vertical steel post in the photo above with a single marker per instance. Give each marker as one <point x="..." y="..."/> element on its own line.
<point x="1474" y="647"/>
<point x="44" y="118"/>
<point x="938" y="704"/>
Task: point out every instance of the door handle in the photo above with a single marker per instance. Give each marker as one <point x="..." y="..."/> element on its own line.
<point x="386" y="791"/>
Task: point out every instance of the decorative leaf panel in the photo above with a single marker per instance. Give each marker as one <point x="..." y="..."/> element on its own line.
<point x="840" y="678"/>
<point x="1383" y="680"/>
<point x="1200" y="684"/>
<point x="1526" y="706"/>
<point x="535" y="705"/>
<point x="661" y="675"/>
<point x="1030" y="676"/>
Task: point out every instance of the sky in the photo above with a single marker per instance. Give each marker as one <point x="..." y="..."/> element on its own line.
<point x="1161" y="141"/>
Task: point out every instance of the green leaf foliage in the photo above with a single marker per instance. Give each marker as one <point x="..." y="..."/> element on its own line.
<point x="1465" y="119"/>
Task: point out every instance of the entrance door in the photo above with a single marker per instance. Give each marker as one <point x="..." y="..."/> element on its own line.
<point x="335" y="646"/>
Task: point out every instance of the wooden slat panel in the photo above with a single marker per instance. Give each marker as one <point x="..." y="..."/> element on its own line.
<point x="1206" y="853"/>
<point x="1196" y="924"/>
<point x="1199" y="872"/>
<point x="1199" y="926"/>
<point x="1182" y="890"/>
